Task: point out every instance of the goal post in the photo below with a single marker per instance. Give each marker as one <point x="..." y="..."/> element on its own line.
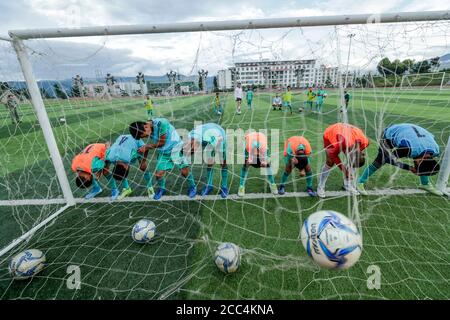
<point x="39" y="107"/>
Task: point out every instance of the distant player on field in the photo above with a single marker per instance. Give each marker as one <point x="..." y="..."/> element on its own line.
<point x="125" y="151"/>
<point x="297" y="151"/>
<point x="217" y="104"/>
<point x="406" y="141"/>
<point x="169" y="146"/>
<point x="256" y="155"/>
<point x="287" y="99"/>
<point x="238" y="96"/>
<point x="351" y="141"/>
<point x="310" y="95"/>
<point x="249" y="96"/>
<point x="277" y="102"/>
<point x="12" y="106"/>
<point x="89" y="165"/>
<point x="212" y="139"/>
<point x="321" y="95"/>
<point x="148" y="103"/>
<point x="346" y="99"/>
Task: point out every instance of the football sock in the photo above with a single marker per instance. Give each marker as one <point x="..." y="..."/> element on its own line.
<point x="284" y="177"/>
<point x="190" y="179"/>
<point x="111" y="181"/>
<point x="125" y="184"/>
<point x="161" y="182"/>
<point x="209" y="175"/>
<point x="148" y="179"/>
<point x="424" y="180"/>
<point x="324" y="175"/>
<point x="309" y="180"/>
<point x="270" y="177"/>
<point x="224" y="173"/>
<point x="367" y="173"/>
<point x="244" y="172"/>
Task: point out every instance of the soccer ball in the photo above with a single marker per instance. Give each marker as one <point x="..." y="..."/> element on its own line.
<point x="143" y="231"/>
<point x="227" y="257"/>
<point x="27" y="264"/>
<point x="331" y="240"/>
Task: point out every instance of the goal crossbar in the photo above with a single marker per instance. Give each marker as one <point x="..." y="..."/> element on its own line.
<point x="231" y="25"/>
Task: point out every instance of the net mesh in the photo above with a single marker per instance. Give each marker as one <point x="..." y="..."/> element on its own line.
<point x="405" y="232"/>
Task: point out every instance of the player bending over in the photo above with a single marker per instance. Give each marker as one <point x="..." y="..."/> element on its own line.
<point x="351" y="141"/>
<point x="257" y="156"/>
<point x="212" y="139"/>
<point x="165" y="139"/>
<point x="406" y="141"/>
<point x="89" y="165"/>
<point x="287" y="99"/>
<point x="276" y="102"/>
<point x="125" y="151"/>
<point x="297" y="151"/>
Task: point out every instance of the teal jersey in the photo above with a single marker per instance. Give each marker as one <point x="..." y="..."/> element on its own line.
<point x="124" y="149"/>
<point x="162" y="126"/>
<point x="411" y="136"/>
<point x="209" y="133"/>
<point x="249" y="95"/>
<point x="97" y="165"/>
<point x="320" y="95"/>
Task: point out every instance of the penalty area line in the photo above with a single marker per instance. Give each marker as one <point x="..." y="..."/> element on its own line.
<point x="248" y="196"/>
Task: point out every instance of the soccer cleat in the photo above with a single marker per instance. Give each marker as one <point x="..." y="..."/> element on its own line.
<point x="206" y="190"/>
<point x="281" y="189"/>
<point x="273" y="188"/>
<point x="361" y="189"/>
<point x="321" y="192"/>
<point x="431" y="189"/>
<point x="150" y="192"/>
<point x="159" y="193"/>
<point x="224" y="192"/>
<point x="95" y="191"/>
<point x="192" y="192"/>
<point x="241" y="191"/>
<point x="311" y="192"/>
<point x="114" y="194"/>
<point x="125" y="193"/>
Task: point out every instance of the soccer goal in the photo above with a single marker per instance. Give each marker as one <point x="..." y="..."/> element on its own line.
<point x="64" y="89"/>
<point x="431" y="81"/>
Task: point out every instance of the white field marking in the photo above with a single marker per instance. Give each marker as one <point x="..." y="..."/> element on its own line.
<point x="329" y="194"/>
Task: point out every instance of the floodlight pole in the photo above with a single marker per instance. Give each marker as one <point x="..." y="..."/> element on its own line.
<point x="38" y="104"/>
<point x="444" y="173"/>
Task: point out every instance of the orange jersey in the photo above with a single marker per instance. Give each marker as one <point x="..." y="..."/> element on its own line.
<point x="83" y="161"/>
<point x="256" y="139"/>
<point x="291" y="145"/>
<point x="342" y="136"/>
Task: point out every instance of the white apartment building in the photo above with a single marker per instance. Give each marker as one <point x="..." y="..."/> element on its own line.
<point x="294" y="73"/>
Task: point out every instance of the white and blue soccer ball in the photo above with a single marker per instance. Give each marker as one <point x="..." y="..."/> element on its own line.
<point x="331" y="240"/>
<point x="143" y="231"/>
<point x="227" y="257"/>
<point x="27" y="264"/>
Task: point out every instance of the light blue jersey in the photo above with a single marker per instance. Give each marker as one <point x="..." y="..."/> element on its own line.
<point x="412" y="136"/>
<point x="209" y="133"/>
<point x="124" y="149"/>
<point x="162" y="126"/>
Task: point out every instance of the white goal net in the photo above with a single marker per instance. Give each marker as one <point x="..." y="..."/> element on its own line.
<point x="94" y="87"/>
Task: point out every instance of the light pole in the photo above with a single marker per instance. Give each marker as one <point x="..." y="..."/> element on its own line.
<point x="351" y="35"/>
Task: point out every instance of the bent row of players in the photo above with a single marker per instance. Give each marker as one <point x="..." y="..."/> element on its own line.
<point x="398" y="141"/>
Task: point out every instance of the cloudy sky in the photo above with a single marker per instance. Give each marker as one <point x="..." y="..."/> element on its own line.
<point x="187" y="53"/>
